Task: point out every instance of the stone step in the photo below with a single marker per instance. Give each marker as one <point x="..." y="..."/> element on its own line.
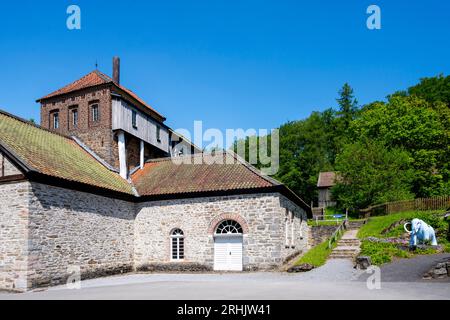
<point x="338" y="254"/>
<point x="341" y="257"/>
<point x="347" y="244"/>
<point x="349" y="241"/>
<point x="354" y="249"/>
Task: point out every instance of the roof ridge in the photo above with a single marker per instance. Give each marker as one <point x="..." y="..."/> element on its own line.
<point x="254" y="169"/>
<point x="247" y="165"/>
<point x="102" y="75"/>
<point x="58" y="92"/>
<point x="191" y="155"/>
<point x="32" y="124"/>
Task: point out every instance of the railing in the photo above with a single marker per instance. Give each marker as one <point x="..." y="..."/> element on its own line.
<point x="420" y="204"/>
<point x="336" y="234"/>
<point x="333" y="217"/>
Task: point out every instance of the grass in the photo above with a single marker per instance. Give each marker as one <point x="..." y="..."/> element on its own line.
<point x="317" y="256"/>
<point x="324" y="223"/>
<point x="384" y="252"/>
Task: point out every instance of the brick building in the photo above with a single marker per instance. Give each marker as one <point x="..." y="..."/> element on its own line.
<point x="97" y="188"/>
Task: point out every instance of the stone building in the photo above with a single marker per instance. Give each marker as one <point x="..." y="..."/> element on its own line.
<point x="103" y="186"/>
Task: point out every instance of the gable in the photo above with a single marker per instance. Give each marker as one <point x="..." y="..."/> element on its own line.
<point x="50" y="155"/>
<point x="7" y="169"/>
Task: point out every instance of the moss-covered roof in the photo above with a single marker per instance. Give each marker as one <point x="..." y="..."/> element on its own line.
<point x="190" y="175"/>
<point x="56" y="155"/>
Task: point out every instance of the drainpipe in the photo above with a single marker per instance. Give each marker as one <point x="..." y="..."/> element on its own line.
<point x="122" y="155"/>
<point x="142" y="149"/>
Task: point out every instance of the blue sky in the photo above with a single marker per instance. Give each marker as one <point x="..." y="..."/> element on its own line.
<point x="232" y="64"/>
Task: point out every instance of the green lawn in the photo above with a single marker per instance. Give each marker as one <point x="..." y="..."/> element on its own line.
<point x="317" y="256"/>
<point x="324" y="223"/>
<point x="384" y="252"/>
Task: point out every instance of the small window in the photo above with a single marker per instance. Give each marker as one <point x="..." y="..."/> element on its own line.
<point x="95" y="113"/>
<point x="75" y="118"/>
<point x="56" y="120"/>
<point x="134" y="118"/>
<point x="177" y="244"/>
<point x="158" y="133"/>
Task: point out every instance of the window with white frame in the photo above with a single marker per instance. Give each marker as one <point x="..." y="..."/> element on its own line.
<point x="292" y="229"/>
<point x="300" y="228"/>
<point x="95" y="114"/>
<point x="74" y="118"/>
<point x="286" y="228"/>
<point x="177" y="245"/>
<point x="55" y="120"/>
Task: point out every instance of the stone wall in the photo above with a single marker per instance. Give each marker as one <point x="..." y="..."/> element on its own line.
<point x="45" y="231"/>
<point x="7" y="168"/>
<point x="319" y="234"/>
<point x="78" y="229"/>
<point x="262" y="215"/>
<point x="296" y="224"/>
<point x="14" y="212"/>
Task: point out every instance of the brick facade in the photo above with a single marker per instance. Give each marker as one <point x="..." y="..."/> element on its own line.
<point x="97" y="135"/>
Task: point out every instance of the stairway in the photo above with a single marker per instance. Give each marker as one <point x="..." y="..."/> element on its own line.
<point x="347" y="246"/>
<point x="355" y="224"/>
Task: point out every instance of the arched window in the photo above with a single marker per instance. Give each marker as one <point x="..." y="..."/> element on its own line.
<point x="229" y="227"/>
<point x="177" y="244"/>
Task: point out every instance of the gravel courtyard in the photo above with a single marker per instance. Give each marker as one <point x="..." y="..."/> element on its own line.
<point x="336" y="280"/>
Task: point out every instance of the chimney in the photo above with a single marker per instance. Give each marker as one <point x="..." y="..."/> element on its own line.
<point x="116" y="70"/>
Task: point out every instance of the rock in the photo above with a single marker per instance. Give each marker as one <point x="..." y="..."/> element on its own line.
<point x="427" y="276"/>
<point x="301" y="268"/>
<point x="374" y="239"/>
<point x="363" y="262"/>
<point x="439" y="273"/>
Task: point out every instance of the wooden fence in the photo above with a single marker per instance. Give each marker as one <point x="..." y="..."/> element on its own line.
<point x="420" y="204"/>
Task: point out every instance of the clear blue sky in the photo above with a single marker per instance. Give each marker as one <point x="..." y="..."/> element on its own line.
<point x="232" y="64"/>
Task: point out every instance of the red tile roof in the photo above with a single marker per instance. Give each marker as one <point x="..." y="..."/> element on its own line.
<point x="326" y="179"/>
<point x="166" y="176"/>
<point x="93" y="79"/>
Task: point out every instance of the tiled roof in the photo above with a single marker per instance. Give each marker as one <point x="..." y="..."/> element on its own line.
<point x="56" y="155"/>
<point x="167" y="177"/>
<point x="96" y="78"/>
<point x="326" y="179"/>
<point x="53" y="155"/>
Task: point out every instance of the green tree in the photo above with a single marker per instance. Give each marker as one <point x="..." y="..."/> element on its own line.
<point x="434" y="89"/>
<point x="348" y="107"/>
<point x="419" y="128"/>
<point x="370" y="173"/>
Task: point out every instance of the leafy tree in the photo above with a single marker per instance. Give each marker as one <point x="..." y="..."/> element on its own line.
<point x="421" y="129"/>
<point x="370" y="173"/>
<point x="434" y="89"/>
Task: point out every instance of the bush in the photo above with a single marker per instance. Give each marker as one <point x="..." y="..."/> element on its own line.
<point x="381" y="253"/>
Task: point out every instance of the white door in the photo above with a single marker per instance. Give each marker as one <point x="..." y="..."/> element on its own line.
<point x="228" y="253"/>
